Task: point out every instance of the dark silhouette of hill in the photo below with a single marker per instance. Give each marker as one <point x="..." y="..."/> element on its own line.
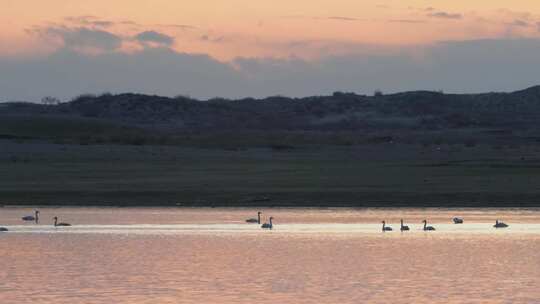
<point x="409" y="116"/>
<point x="340" y="111"/>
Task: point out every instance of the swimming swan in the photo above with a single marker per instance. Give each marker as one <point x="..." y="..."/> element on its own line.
<point x="34" y="217"/>
<point x="255" y="220"/>
<point x="59" y="224"/>
<point x="500" y="224"/>
<point x="403" y="228"/>
<point x="457" y="220"/>
<point x="384" y="228"/>
<point x="268" y="225"/>
<point x="426" y="227"/>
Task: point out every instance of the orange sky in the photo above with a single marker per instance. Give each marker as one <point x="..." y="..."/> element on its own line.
<point x="280" y="28"/>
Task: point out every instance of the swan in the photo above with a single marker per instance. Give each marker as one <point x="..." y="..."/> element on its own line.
<point x="403" y="228"/>
<point x="384" y="228"/>
<point x="457" y="220"/>
<point x="426" y="227"/>
<point x="268" y="225"/>
<point x="255" y="220"/>
<point x="500" y="224"/>
<point x="59" y="224"/>
<point x="3" y="229"/>
<point x="34" y="217"/>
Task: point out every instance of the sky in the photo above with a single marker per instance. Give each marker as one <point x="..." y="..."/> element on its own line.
<point x="239" y="48"/>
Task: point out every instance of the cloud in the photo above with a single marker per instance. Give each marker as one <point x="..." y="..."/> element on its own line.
<point x="446" y="15"/>
<point x="90" y="21"/>
<point x="128" y="22"/>
<point x="81" y="38"/>
<point x="538" y="26"/>
<point x="340" y="18"/>
<point x="68" y="73"/>
<point x="458" y="66"/>
<point x="453" y="66"/>
<point x="410" y="21"/>
<point x="520" y="23"/>
<point x="179" y="26"/>
<point x="208" y="38"/>
<point x="154" y="37"/>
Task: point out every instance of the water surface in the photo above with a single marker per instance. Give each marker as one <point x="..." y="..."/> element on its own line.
<point x="164" y="255"/>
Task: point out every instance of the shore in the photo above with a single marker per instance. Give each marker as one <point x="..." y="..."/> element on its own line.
<point x="381" y="175"/>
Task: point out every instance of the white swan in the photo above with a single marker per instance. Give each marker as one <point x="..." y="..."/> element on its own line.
<point x="403" y="228"/>
<point x="59" y="224"/>
<point x="500" y="224"/>
<point x="426" y="227"/>
<point x="268" y="225"/>
<point x="255" y="220"/>
<point x="34" y="217"/>
<point x="385" y="228"/>
<point x="457" y="220"/>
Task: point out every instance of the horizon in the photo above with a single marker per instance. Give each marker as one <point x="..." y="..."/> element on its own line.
<point x="240" y="49"/>
<point x="57" y="101"/>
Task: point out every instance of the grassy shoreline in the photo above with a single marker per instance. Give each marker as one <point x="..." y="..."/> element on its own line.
<point x="363" y="176"/>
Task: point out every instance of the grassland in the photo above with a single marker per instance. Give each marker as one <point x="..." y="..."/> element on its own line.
<point x="381" y="175"/>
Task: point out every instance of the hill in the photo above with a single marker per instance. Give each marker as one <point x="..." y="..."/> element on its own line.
<point x="419" y="116"/>
<point x="340" y="111"/>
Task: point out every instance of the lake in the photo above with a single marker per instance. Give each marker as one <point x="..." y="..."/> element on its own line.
<point x="177" y="255"/>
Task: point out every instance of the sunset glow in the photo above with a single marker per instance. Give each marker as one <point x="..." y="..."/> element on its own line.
<point x="241" y="28"/>
<point x="238" y="48"/>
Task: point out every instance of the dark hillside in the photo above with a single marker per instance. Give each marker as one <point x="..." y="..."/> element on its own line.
<point x="341" y="111"/>
<point x="340" y="119"/>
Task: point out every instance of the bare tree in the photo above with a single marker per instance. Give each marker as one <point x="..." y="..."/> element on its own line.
<point x="50" y="101"/>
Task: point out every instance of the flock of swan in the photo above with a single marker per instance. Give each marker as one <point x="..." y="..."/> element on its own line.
<point x="456" y="220"/>
<point x="35" y="218"/>
<point x="268" y="225"/>
<point x="257" y="220"/>
<point x="406" y="228"/>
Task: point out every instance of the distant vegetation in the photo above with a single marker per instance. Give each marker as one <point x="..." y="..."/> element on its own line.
<point x="340" y="119"/>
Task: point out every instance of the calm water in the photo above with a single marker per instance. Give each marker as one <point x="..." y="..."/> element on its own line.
<point x="312" y="256"/>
